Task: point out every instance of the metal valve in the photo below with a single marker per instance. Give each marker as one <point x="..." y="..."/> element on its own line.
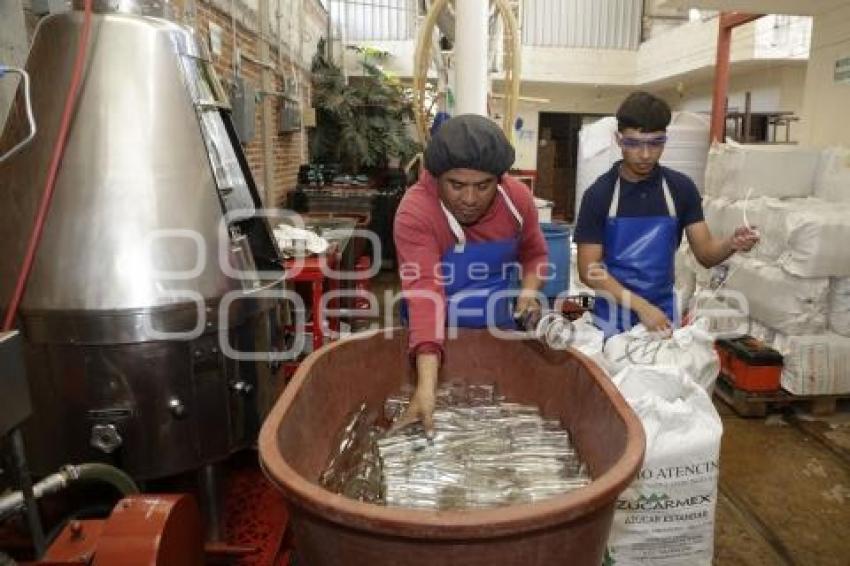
<point x="242" y="387"/>
<point x="177" y="408"/>
<point x="105" y="437"/>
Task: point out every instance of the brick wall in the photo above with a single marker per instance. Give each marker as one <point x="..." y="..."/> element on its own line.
<point x="287" y="148"/>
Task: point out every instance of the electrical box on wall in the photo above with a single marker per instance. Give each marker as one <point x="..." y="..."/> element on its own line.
<point x="243" y="102"/>
<point x="290" y="115"/>
<point x="216" y="34"/>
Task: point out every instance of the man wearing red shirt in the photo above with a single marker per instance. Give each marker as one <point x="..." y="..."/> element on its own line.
<point x="466" y="233"/>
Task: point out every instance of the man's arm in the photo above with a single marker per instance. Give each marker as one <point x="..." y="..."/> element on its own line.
<point x="592" y="272"/>
<point x="533" y="253"/>
<point x="711" y="251"/>
<point x="418" y="256"/>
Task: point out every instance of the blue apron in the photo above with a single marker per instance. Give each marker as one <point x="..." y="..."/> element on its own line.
<point x="639" y="253"/>
<point x="473" y="271"/>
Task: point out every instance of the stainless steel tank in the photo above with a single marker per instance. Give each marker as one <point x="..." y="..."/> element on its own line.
<point x="154" y="202"/>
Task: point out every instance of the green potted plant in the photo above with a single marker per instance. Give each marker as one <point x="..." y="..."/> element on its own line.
<point x="361" y="123"/>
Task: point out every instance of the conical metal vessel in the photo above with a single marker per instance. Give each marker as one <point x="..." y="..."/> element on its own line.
<point x="153" y="226"/>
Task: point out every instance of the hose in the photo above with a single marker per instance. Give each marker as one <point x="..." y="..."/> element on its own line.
<point x="422" y="56"/>
<point x="14" y="502"/>
<point x="30" y="118"/>
<point x="52" y="172"/>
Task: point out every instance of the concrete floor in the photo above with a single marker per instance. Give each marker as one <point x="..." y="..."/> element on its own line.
<point x="784" y="491"/>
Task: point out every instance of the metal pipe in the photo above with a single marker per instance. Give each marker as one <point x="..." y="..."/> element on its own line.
<point x="266" y="108"/>
<point x="726" y="23"/>
<point x="26" y="495"/>
<point x="210" y="505"/>
<point x="471" y="69"/>
<point x="13" y="502"/>
<point x="28" y="103"/>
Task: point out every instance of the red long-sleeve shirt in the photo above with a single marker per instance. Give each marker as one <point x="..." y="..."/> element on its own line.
<point x="423" y="236"/>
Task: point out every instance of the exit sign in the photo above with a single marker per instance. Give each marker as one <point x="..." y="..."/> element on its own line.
<point x="842" y="70"/>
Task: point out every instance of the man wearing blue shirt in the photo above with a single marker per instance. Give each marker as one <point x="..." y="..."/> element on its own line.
<point x="631" y="222"/>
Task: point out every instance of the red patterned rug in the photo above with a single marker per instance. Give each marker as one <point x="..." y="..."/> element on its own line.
<point x="255" y="513"/>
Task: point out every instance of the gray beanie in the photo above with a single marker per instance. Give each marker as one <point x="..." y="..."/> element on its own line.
<point x="469" y="141"/>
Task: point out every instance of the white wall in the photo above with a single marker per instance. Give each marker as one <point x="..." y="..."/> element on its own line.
<point x="580" y="99"/>
<point x="580" y="66"/>
<point x="689" y="47"/>
<point x="825" y="102"/>
<point x="771" y="88"/>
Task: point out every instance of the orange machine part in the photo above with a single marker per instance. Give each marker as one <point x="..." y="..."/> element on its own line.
<point x="145" y="529"/>
<point x="753" y="378"/>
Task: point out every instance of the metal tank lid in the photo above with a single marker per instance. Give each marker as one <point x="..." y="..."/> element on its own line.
<point x="155" y="8"/>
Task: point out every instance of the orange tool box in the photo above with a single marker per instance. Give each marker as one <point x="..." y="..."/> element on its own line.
<point x="751" y="364"/>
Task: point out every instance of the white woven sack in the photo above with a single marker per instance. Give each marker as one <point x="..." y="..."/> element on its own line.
<point x="832" y="180"/>
<point x="791" y="304"/>
<point x="771" y="171"/>
<point x="815" y="364"/>
<point x="839" y="305"/>
<point x="690" y="348"/>
<point x="666" y="516"/>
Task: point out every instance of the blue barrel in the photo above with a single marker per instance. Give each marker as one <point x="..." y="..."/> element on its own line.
<point x="558" y="274"/>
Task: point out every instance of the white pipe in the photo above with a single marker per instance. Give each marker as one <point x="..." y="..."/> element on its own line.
<point x="471" y="73"/>
<point x="28" y="105"/>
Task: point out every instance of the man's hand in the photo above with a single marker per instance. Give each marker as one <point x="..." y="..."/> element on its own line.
<point x="421" y="406"/>
<point x="526" y="302"/>
<point x="653" y="318"/>
<point x="743" y="239"/>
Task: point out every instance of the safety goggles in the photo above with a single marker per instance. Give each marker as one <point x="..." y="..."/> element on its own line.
<point x="654" y="142"/>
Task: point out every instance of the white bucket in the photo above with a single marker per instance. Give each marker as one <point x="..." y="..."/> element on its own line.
<point x="544" y="209"/>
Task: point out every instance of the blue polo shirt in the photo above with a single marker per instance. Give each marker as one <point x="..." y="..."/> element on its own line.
<point x="644" y="198"/>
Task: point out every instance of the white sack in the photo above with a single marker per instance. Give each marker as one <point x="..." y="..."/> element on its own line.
<point x="689" y="262"/>
<point x="723" y="313"/>
<point x="597" y="153"/>
<point x="589" y="340"/>
<point x="723" y="215"/>
<point x="690" y="348"/>
<point x="686" y="277"/>
<point x="839" y="305"/>
<point x="772" y="171"/>
<point x="762" y="332"/>
<point x="666" y="516"/>
<point x="787" y="303"/>
<point x="806" y="236"/>
<point x="832" y="180"/>
<point x="815" y="364"/>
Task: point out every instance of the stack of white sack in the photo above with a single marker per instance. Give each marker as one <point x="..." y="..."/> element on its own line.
<point x="832" y="180"/>
<point x="725" y="313"/>
<point x="701" y="295"/>
<point x="813" y="364"/>
<point x="793" y="305"/>
<point x="773" y="171"/>
<point x="666" y="516"/>
<point x="839" y="305"/>
<point x="690" y="348"/>
<point x="806" y="237"/>
<point x="796" y="282"/>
